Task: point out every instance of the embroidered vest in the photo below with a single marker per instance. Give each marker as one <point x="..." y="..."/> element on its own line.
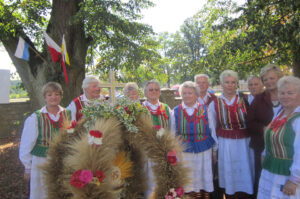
<point x="47" y="128"/>
<point x="193" y="129"/>
<point x="161" y="116"/>
<point x="279" y="140"/>
<point x="231" y="118"/>
<point x="79" y="105"/>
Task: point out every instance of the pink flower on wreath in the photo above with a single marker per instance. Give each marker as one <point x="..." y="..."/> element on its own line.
<point x="179" y="191"/>
<point x="86" y="176"/>
<point x="171" y="157"/>
<point x="175" y="193"/>
<point x="75" y="180"/>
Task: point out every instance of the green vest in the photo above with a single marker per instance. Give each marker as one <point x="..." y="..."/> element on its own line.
<point x="162" y="119"/>
<point x="280" y="148"/>
<point x="47" y="128"/>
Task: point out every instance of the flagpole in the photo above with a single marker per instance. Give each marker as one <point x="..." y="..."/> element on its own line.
<point x="39" y="55"/>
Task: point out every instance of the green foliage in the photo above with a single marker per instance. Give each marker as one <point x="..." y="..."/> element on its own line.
<point x="113" y="35"/>
<point x="223" y="35"/>
<point x="183" y="51"/>
<point x="17" y="90"/>
<point x="125" y="110"/>
<point x="27" y="17"/>
<point x="116" y="39"/>
<point x="245" y="38"/>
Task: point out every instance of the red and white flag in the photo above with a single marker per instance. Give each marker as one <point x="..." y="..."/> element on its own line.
<point x="54" y="49"/>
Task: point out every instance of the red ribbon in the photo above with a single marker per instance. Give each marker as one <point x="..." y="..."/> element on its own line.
<point x="277" y="123"/>
<point x="65" y="71"/>
<point x="157" y="127"/>
<point x="198" y="118"/>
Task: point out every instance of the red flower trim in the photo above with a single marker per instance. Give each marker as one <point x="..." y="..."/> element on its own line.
<point x="96" y="134"/>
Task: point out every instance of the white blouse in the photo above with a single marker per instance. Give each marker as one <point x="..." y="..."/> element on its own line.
<point x="30" y="135"/>
<point x="204" y="99"/>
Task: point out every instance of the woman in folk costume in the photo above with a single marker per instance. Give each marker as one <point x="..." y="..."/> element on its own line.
<point x="191" y="124"/>
<point x="280" y="177"/>
<point x="39" y="129"/>
<point x="260" y="114"/>
<point x="235" y="161"/>
<point x="91" y="91"/>
<point x="160" y="114"/>
<point x="131" y="90"/>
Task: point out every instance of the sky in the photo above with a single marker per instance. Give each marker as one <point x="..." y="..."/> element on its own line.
<point x="165" y="16"/>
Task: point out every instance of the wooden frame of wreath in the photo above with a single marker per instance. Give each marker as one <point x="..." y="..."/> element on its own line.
<point x="120" y="156"/>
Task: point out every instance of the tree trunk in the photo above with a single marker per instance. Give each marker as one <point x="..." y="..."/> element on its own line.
<point x="296" y="65"/>
<point x="36" y="72"/>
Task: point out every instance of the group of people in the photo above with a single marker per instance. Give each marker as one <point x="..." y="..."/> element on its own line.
<point x="253" y="139"/>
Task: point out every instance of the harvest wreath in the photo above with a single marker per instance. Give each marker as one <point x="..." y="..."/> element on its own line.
<point x="103" y="156"/>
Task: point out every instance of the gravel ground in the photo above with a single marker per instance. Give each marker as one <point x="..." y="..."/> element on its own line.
<point x="12" y="183"/>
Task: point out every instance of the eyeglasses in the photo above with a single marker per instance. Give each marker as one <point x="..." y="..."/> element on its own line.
<point x="153" y="89"/>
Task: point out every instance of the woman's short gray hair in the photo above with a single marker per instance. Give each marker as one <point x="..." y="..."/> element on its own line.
<point x="228" y="73"/>
<point x="88" y="80"/>
<point x="289" y="80"/>
<point x="153" y="81"/>
<point x="189" y="84"/>
<point x="201" y="75"/>
<point x="270" y="67"/>
<point x="130" y="86"/>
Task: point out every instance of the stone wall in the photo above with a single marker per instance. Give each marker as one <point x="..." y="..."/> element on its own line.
<point x="12" y="118"/>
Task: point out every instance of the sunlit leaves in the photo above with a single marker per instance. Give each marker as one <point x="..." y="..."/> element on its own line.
<point x="28" y="16"/>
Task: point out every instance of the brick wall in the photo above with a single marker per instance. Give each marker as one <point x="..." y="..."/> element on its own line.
<point x="12" y="116"/>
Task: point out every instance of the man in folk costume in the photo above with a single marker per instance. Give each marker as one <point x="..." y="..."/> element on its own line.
<point x="205" y="97"/>
<point x="160" y="114"/>
<point x="191" y="124"/>
<point x="227" y="116"/>
<point x="91" y="91"/>
<point x="39" y="129"/>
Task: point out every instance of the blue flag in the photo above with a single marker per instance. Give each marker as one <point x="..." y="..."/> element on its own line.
<point x="22" y="51"/>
